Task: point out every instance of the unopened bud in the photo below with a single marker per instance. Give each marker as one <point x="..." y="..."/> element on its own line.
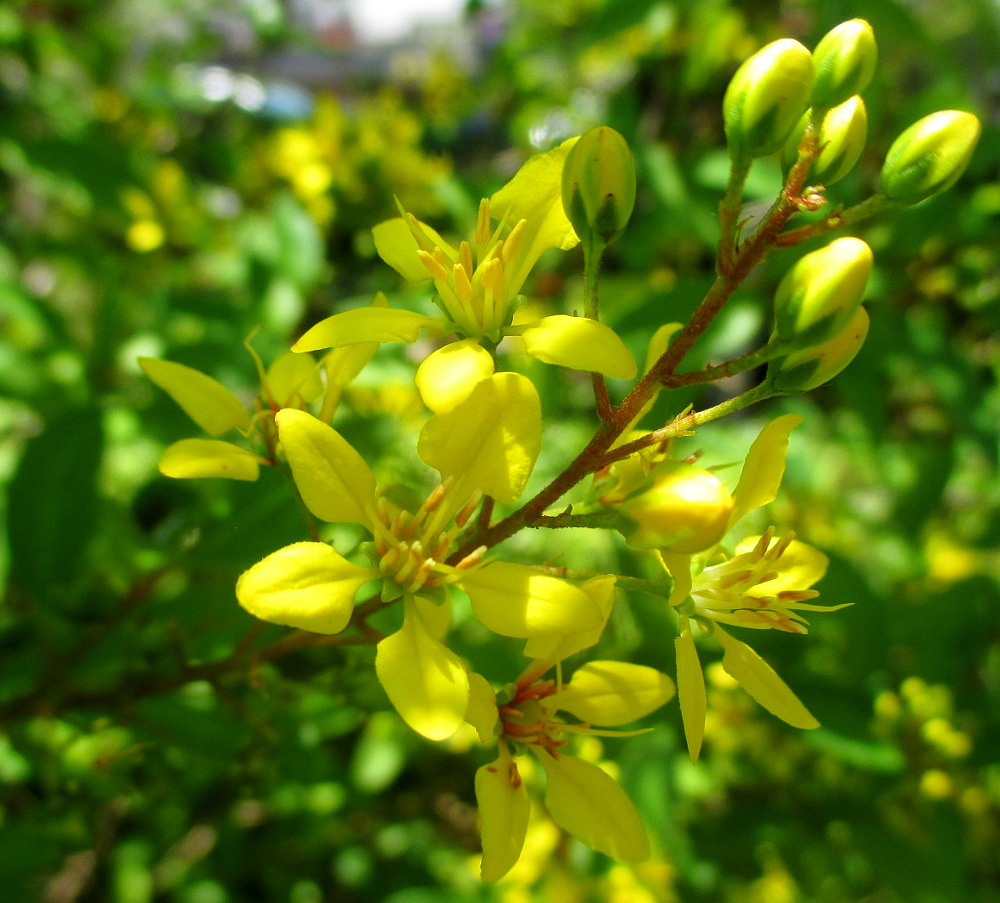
<point x="843" y="63"/>
<point x="598" y="185"/>
<point x="765" y="99"/>
<point x="820" y="294"/>
<point x="804" y="370"/>
<point x="929" y="156"/>
<point x="840" y="140"/>
<point x="685" y="509"/>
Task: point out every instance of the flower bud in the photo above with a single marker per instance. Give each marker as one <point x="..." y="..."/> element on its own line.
<point x="841" y="139"/>
<point x="929" y="156"/>
<point x="598" y="185"/>
<point x="685" y="509"/>
<point x="765" y="99"/>
<point x="843" y="63"/>
<point x="820" y="294"/>
<point x="804" y="370"/>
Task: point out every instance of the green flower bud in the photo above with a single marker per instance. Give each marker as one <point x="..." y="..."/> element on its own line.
<point x="811" y="367"/>
<point x="765" y="99"/>
<point x="820" y="294"/>
<point x="841" y="139"/>
<point x="843" y="63"/>
<point x="598" y="185"/>
<point x="929" y="156"/>
<point x="685" y="509"/>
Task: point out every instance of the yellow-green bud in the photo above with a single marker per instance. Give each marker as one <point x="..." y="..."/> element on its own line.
<point x="811" y="367"/>
<point x="820" y="294"/>
<point x="598" y="185"/>
<point x="841" y="139"/>
<point x="765" y="99"/>
<point x="929" y="156"/>
<point x="843" y="63"/>
<point x="685" y="509"/>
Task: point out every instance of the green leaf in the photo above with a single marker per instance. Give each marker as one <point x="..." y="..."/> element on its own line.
<point x="52" y="505"/>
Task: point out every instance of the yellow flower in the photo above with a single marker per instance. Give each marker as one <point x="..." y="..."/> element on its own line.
<point x="763" y="584"/>
<point x="478" y="284"/>
<point x="292" y="381"/>
<point x="582" y="798"/>
<point x="486" y="446"/>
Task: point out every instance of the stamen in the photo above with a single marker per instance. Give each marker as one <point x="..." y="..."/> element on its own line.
<point x="433" y="266"/>
<point x="465" y="258"/>
<point x="472" y="559"/>
<point x="463" y="287"/>
<point x="513" y="241"/>
<point x="482" y="235"/>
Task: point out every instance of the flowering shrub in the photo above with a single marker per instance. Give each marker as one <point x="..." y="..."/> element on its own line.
<point x="436" y="550"/>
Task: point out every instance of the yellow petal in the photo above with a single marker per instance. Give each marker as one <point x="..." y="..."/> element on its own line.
<point x="435" y="616"/>
<point x="678" y="565"/>
<point x="690" y="690"/>
<point x="764" y="466"/>
<point x="396" y="245"/>
<point x="332" y="478"/>
<point x="535" y="195"/>
<point x="503" y="813"/>
<point x="761" y="681"/>
<point x="589" y="804"/>
<point x="305" y="585"/>
<point x="578" y="343"/>
<point x="482" y="712"/>
<point x="293" y="379"/>
<point x="425" y="681"/>
<point x="365" y="324"/>
<point x="609" y="694"/>
<point x="555" y="648"/>
<point x="205" y="400"/>
<point x="514" y="600"/>
<point x="447" y="376"/>
<point x="658" y="345"/>
<point x="192" y="459"/>
<point x="491" y="440"/>
<point x="799" y="567"/>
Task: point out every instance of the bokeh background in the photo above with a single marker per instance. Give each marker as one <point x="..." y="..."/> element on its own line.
<point x="175" y="176"/>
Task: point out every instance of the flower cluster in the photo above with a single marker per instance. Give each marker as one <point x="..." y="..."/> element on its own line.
<point x="434" y="553"/>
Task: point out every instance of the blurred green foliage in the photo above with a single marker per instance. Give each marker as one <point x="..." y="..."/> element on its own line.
<point x="149" y="204"/>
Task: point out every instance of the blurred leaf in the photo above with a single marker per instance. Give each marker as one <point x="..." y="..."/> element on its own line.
<point x="53" y="501"/>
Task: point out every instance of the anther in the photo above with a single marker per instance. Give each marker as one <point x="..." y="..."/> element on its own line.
<point x="482" y="235"/>
<point x="513" y="241"/>
<point x="472" y="559"/>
